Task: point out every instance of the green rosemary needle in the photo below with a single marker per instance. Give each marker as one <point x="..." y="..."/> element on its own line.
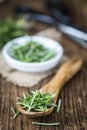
<point x="30" y="106"/>
<point x="15" y="113"/>
<point x="45" y="124"/>
<point x="59" y="105"/>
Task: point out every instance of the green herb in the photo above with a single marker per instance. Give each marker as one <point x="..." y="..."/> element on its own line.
<point x="36" y="101"/>
<point x="30" y="106"/>
<point x="32" y="52"/>
<point x="15" y="113"/>
<point x="59" y="105"/>
<point x="8" y="31"/>
<point x="45" y="124"/>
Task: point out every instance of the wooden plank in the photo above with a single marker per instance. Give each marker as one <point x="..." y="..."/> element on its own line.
<point x="1" y="103"/>
<point x="73" y="113"/>
<point x="5" y="104"/>
<point x="12" y="103"/>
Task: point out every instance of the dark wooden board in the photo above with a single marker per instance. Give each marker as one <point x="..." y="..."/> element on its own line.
<point x="73" y="113"/>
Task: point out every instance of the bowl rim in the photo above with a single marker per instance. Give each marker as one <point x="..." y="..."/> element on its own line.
<point x="9" y="43"/>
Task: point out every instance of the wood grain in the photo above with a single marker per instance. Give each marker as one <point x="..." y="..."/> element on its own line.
<point x="73" y="113"/>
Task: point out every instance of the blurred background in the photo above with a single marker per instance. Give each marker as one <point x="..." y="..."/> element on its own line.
<point x="68" y="12"/>
<point x="75" y="9"/>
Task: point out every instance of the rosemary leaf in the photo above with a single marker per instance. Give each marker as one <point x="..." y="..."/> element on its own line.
<point x="32" y="101"/>
<point x="45" y="124"/>
<point x="24" y="96"/>
<point x="59" y="105"/>
<point x="15" y="113"/>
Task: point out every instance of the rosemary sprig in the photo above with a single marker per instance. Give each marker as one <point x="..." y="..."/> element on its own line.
<point x="31" y="51"/>
<point x="30" y="106"/>
<point x="37" y="101"/>
<point x="9" y="30"/>
<point x="15" y="113"/>
<point x="45" y="124"/>
<point x="59" y="105"/>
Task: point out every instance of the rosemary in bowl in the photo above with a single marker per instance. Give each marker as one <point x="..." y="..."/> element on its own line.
<point x="36" y="101"/>
<point x="32" y="51"/>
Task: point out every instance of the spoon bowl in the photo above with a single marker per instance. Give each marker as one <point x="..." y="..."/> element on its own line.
<point x="66" y="72"/>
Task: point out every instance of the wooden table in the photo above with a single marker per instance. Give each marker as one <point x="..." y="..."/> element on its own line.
<point x="73" y="113"/>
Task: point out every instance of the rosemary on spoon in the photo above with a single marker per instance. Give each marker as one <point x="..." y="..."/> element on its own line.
<point x="37" y="101"/>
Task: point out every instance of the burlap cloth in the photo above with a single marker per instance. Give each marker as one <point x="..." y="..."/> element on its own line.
<point x="28" y="79"/>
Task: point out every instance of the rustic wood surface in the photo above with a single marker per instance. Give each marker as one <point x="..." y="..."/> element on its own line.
<point x="73" y="113"/>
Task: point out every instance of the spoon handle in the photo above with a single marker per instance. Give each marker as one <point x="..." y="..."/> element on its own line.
<point x="66" y="72"/>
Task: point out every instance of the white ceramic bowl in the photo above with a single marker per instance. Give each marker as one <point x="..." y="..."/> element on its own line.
<point x="33" y="67"/>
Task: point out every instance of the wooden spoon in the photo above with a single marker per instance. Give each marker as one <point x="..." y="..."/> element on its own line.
<point x="66" y="72"/>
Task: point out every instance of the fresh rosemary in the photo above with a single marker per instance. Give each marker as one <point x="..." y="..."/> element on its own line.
<point x="31" y="51"/>
<point x="45" y="124"/>
<point x="59" y="105"/>
<point x="9" y="30"/>
<point x="15" y="113"/>
<point x="36" y="101"/>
